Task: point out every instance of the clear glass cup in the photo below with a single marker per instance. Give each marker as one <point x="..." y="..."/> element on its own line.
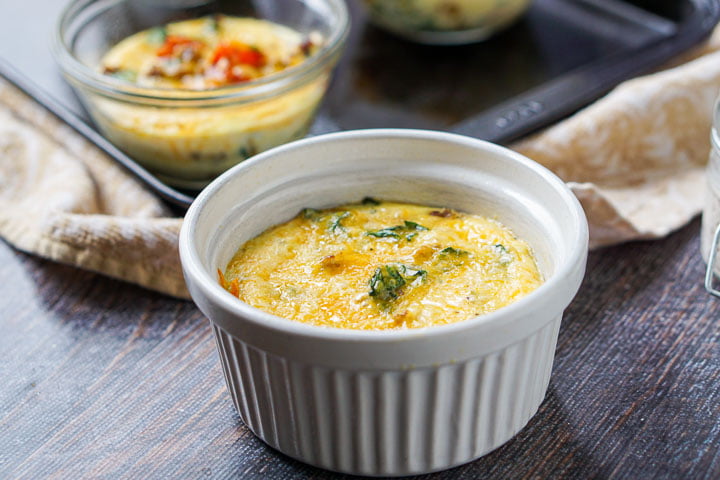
<point x="710" y="230"/>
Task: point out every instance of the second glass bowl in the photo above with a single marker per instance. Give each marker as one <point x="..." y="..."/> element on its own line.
<point x="445" y="22"/>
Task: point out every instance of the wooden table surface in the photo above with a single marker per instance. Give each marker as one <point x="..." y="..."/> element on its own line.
<point x="101" y="379"/>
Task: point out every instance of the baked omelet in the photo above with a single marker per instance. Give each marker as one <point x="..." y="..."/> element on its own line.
<point x="207" y="53"/>
<point x="382" y="265"/>
<point x="445" y="15"/>
<point x="187" y="144"/>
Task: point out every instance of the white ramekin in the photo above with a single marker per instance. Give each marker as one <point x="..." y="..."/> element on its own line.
<point x="398" y="402"/>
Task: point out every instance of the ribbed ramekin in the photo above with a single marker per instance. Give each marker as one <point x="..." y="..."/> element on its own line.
<point x="392" y="402"/>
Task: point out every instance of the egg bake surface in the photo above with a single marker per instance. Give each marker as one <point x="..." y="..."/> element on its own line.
<point x="380" y="265"/>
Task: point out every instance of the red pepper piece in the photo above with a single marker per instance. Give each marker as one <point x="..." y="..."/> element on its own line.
<point x="175" y="44"/>
<point x="239" y="54"/>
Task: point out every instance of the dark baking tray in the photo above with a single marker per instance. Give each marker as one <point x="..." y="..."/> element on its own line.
<point x="561" y="56"/>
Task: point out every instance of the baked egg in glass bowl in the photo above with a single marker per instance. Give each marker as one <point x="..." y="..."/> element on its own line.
<point x="190" y="88"/>
<point x="445" y="22"/>
<point x="429" y="392"/>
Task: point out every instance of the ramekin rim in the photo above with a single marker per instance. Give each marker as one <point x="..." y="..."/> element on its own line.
<point x="192" y="264"/>
<point x="262" y="87"/>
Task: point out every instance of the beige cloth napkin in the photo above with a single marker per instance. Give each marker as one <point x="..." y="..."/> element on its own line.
<point x="635" y="160"/>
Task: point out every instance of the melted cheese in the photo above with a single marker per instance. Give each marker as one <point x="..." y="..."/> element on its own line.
<point x="384" y="266"/>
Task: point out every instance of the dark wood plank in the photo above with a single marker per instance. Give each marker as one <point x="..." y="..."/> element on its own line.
<point x="106" y="380"/>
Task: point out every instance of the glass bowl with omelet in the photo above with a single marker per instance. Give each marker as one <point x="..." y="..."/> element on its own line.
<point x="445" y="22"/>
<point x="190" y="88"/>
<point x="385" y="302"/>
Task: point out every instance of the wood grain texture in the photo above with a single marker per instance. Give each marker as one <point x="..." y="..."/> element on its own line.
<point x="105" y="380"/>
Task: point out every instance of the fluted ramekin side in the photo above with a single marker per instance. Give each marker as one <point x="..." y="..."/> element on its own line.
<point x="389" y="422"/>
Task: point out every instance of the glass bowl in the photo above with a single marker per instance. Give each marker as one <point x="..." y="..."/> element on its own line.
<point x="445" y="22"/>
<point x="187" y="137"/>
